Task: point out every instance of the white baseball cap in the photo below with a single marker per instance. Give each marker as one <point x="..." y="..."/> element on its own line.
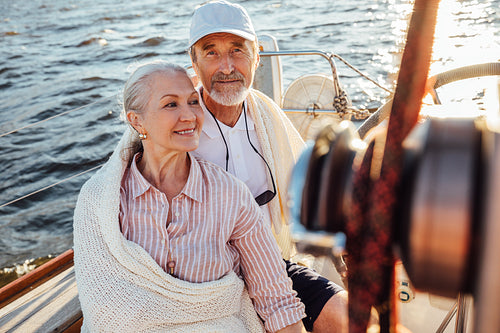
<point x="220" y="16"/>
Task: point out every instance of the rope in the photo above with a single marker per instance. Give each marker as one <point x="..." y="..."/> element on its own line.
<point x="341" y="102"/>
<point x="49" y="186"/>
<point x="375" y="258"/>
<point x="55" y="116"/>
<point x="375" y="119"/>
<point x="467" y="72"/>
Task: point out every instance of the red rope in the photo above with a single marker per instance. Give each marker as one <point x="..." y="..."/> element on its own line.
<point x="359" y="305"/>
<point x="371" y="265"/>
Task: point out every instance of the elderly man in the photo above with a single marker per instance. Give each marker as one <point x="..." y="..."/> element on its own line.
<point x="246" y="133"/>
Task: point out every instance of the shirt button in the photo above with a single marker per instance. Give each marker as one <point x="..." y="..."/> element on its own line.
<point x="164" y="241"/>
<point x="177" y="214"/>
<point x="171" y="266"/>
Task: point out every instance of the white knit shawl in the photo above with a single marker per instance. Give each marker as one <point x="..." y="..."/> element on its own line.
<point x="281" y="146"/>
<point x="123" y="289"/>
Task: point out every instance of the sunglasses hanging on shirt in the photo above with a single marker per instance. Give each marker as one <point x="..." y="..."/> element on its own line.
<point x="268" y="195"/>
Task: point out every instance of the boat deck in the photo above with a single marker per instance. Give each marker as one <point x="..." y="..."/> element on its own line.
<point x="41" y="304"/>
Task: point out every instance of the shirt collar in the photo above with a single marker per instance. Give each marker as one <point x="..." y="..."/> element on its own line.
<point x="142" y="184"/>
<point x="194" y="184"/>
<point x="210" y="127"/>
<point x="192" y="189"/>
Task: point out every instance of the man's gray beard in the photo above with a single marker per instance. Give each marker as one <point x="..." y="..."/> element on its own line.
<point x="232" y="96"/>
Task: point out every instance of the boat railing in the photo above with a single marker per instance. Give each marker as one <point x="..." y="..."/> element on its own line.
<point x="329" y="56"/>
<point x="340" y="104"/>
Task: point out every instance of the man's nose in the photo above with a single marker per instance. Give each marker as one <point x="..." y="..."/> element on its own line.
<point x="226" y="64"/>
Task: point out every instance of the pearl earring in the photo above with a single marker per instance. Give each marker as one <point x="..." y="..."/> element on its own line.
<point x="142" y="136"/>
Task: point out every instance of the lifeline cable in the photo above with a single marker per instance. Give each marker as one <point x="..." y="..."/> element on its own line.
<point x="50" y="186"/>
<point x="55" y="116"/>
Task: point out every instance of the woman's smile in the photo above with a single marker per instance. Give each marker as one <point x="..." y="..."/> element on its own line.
<point x="185" y="132"/>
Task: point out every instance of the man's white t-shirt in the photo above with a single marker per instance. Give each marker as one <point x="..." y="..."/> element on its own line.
<point x="243" y="161"/>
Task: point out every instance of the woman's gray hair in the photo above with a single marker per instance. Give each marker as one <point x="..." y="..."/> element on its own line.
<point x="137" y="92"/>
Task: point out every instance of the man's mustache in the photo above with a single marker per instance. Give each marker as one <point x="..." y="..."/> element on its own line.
<point x="228" y="77"/>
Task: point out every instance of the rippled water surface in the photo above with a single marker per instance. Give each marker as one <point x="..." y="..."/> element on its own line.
<point x="57" y="56"/>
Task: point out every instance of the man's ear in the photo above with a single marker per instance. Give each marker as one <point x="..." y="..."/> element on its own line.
<point x="195" y="67"/>
<point x="257" y="60"/>
<point x="191" y="57"/>
<point x="194" y="76"/>
<point x="194" y="79"/>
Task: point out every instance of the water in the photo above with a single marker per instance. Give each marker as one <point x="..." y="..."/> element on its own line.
<point x="58" y="55"/>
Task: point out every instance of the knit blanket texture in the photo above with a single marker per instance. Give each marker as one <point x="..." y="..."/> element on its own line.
<point x="123" y="289"/>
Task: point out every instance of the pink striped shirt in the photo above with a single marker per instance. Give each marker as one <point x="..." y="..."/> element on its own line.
<point x="216" y="226"/>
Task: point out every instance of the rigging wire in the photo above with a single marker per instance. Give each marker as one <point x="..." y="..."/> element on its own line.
<point x="360" y="73"/>
<point x="40" y="122"/>
<point x="55" y="116"/>
<point x="50" y="186"/>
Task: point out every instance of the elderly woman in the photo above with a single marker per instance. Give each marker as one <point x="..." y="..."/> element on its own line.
<point x="163" y="240"/>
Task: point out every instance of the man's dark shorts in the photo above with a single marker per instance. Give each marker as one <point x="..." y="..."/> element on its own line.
<point x="312" y="289"/>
